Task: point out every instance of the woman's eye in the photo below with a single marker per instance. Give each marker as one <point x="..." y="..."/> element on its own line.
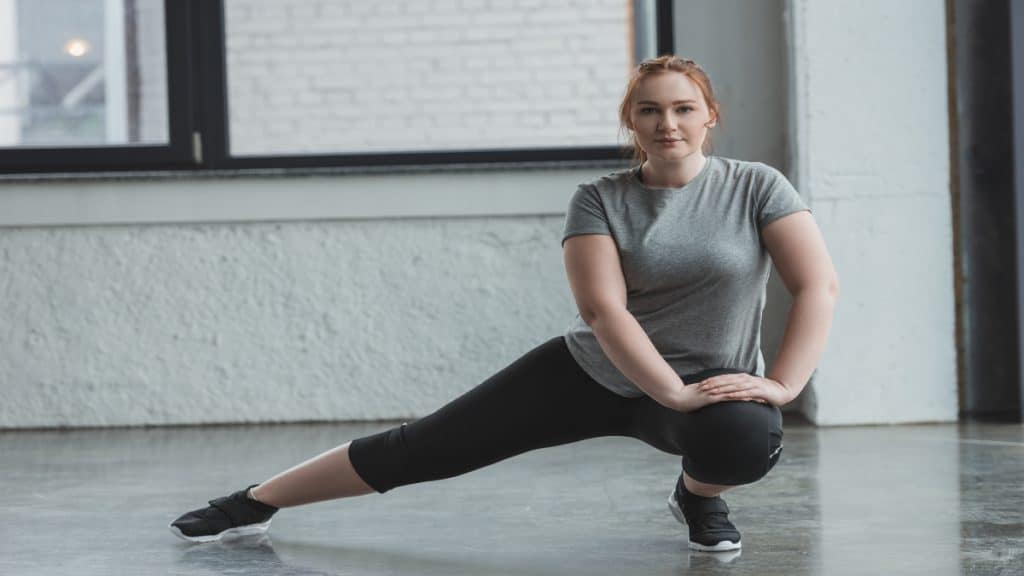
<point x="646" y="110"/>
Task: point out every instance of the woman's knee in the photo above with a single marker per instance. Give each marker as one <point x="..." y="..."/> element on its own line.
<point x="381" y="459"/>
<point x="737" y="442"/>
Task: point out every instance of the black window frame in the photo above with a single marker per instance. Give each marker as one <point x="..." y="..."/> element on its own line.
<point x="198" y="119"/>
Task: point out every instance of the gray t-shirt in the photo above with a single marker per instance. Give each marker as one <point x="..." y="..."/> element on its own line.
<point x="696" y="270"/>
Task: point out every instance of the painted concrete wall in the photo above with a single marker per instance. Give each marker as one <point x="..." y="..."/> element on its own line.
<point x="871" y="145"/>
<point x="202" y="323"/>
<point x="242" y="299"/>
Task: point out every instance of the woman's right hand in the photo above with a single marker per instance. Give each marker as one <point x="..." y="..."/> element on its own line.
<point x="691" y="398"/>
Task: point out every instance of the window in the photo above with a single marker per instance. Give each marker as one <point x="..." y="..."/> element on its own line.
<point x="83" y="73"/>
<point x="227" y="84"/>
<point x="323" y="76"/>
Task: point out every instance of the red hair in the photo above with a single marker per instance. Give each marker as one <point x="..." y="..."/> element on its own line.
<point x="662" y="65"/>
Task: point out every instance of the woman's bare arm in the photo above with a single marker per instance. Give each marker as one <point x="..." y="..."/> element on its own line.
<point x="799" y="254"/>
<point x="595" y="276"/>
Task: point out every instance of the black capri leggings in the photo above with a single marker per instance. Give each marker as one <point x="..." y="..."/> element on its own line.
<point x="545" y="399"/>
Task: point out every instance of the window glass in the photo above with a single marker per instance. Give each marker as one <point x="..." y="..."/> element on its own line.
<point x="351" y="76"/>
<point x="82" y="73"/>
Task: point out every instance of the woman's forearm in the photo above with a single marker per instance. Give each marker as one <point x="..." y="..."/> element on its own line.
<point x="810" y="319"/>
<point x="631" y="351"/>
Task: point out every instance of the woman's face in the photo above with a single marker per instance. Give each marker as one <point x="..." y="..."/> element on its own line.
<point x="669" y="116"/>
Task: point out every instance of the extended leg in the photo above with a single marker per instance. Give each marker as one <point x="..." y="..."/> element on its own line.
<point x="542" y="399"/>
<point x="325" y="477"/>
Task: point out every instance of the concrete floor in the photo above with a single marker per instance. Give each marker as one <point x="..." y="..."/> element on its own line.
<point x="930" y="499"/>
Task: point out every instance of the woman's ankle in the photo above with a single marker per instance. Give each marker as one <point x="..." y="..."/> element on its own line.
<point x="251" y="493"/>
<point x="702" y="489"/>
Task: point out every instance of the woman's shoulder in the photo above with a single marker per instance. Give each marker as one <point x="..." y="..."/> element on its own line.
<point x="616" y="180"/>
<point x="751" y="174"/>
<point x="746" y="166"/>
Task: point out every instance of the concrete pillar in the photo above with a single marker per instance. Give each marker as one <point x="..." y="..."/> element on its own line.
<point x="870" y="138"/>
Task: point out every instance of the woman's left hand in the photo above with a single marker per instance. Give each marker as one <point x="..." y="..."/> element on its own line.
<point x="743" y="386"/>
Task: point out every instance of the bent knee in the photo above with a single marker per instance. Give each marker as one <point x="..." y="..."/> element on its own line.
<point x="740" y="442"/>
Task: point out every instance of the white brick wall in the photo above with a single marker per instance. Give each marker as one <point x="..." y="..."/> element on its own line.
<point x="152" y="54"/>
<point x="319" y="76"/>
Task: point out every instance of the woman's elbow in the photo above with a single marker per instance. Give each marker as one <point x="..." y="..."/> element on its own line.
<point x="595" y="316"/>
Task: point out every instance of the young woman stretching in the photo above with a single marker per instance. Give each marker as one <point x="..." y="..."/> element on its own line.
<point x="668" y="263"/>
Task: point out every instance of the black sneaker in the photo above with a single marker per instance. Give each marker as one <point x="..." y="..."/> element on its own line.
<point x="227" y="516"/>
<point x="707" y="519"/>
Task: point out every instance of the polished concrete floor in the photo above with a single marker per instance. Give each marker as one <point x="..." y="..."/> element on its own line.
<point x="928" y="499"/>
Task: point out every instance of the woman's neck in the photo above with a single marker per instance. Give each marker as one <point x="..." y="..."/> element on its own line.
<point x="658" y="174"/>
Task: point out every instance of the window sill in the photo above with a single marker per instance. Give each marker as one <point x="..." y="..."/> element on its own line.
<point x="43" y="177"/>
<point x="450" y="190"/>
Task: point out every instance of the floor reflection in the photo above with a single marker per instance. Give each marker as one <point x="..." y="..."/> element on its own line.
<point x="937" y="499"/>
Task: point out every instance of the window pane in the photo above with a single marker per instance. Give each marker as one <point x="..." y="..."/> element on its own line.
<point x="351" y="76"/>
<point x="82" y="73"/>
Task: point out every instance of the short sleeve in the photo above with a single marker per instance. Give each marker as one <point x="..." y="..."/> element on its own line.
<point x="586" y="214"/>
<point x="777" y="198"/>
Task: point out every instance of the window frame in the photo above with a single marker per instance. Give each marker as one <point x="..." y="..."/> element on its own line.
<point x="198" y="120"/>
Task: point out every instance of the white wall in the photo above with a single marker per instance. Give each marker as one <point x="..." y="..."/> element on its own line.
<point x="871" y="138"/>
<point x="200" y="323"/>
<point x="350" y="317"/>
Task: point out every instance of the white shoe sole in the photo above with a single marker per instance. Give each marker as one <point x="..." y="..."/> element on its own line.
<point x="236" y="532"/>
<point x="724" y="545"/>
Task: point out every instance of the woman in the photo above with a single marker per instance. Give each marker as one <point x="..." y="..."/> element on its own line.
<point x="668" y="263"/>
